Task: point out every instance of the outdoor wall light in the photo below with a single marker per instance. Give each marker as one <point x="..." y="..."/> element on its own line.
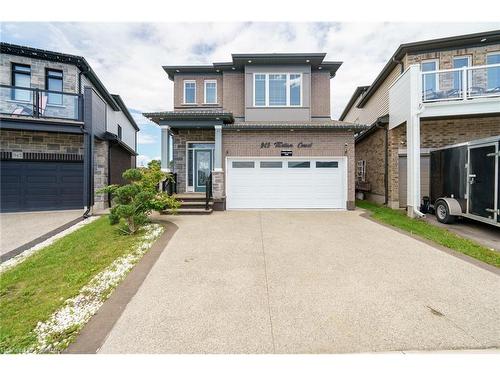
<point x="308" y="60"/>
<point x="177" y="70"/>
<point x="249" y="61"/>
<point x="320" y="67"/>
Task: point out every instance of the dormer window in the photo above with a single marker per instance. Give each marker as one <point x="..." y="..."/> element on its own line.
<point x="277" y="89"/>
<point x="189" y="92"/>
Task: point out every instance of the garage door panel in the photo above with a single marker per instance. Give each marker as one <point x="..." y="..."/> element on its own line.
<point x="285" y="187"/>
<point x="32" y="186"/>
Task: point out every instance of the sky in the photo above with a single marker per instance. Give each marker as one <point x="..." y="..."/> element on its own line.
<point x="128" y="57"/>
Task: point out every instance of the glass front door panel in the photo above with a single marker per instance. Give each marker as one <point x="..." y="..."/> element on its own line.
<point x="482" y="181"/>
<point x="203" y="167"/>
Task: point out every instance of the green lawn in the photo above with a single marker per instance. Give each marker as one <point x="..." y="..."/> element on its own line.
<point x="31" y="291"/>
<point x="398" y="218"/>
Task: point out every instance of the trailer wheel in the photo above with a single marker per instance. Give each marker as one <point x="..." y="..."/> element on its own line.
<point x="443" y="213"/>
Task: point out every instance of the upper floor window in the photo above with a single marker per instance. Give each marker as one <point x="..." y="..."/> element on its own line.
<point x="21" y="77"/>
<point x="211" y="92"/>
<point x="54" y="82"/>
<point x="277" y="89"/>
<point x="493" y="72"/>
<point x="119" y="131"/>
<point x="189" y="92"/>
<point x="458" y="63"/>
<point x="430" y="81"/>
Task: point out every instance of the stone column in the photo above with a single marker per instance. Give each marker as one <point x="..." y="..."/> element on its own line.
<point x="218" y="172"/>
<point x="165" y="151"/>
<point x="218" y="149"/>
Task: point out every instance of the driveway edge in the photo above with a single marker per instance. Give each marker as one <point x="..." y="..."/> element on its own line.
<point x="367" y="215"/>
<point x="36" y="241"/>
<point x="95" y="332"/>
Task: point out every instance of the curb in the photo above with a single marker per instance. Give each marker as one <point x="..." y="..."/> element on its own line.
<point x="95" y="332"/>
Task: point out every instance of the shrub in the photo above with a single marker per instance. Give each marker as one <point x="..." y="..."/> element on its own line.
<point x="135" y="201"/>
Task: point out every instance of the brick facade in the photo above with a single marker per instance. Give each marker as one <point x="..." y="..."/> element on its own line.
<point x="433" y="134"/>
<point x="234" y="94"/>
<point x="320" y="95"/>
<point x="372" y="150"/>
<point x="200" y="90"/>
<point x="325" y="143"/>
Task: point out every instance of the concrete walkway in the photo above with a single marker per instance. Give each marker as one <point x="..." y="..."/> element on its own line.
<point x="17" y="229"/>
<point x="305" y="282"/>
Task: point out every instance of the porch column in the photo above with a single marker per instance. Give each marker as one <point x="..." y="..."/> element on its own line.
<point x="165" y="148"/>
<point x="218" y="149"/>
<point x="413" y="145"/>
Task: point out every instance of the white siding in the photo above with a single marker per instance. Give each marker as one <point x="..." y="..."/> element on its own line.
<point x="115" y="118"/>
<point x="400" y="100"/>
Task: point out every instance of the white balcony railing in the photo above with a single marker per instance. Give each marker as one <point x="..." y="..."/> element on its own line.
<point x="461" y="84"/>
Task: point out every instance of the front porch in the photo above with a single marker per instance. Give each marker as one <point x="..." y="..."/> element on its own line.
<point x="191" y="149"/>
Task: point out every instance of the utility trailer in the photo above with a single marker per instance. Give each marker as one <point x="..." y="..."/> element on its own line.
<point x="465" y="181"/>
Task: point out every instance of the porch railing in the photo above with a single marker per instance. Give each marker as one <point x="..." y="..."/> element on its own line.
<point x="170" y="184"/>
<point x="461" y="84"/>
<point x="28" y="102"/>
<point x="208" y="192"/>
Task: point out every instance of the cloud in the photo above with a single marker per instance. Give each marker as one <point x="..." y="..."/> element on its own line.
<point x="145" y="139"/>
<point x="128" y="57"/>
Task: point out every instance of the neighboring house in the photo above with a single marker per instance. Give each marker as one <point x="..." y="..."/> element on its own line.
<point x="259" y="129"/>
<point x="441" y="92"/>
<point x="63" y="135"/>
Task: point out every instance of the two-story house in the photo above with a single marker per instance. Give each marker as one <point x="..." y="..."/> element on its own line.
<point x="257" y="132"/>
<point x="429" y="95"/>
<point x="62" y="134"/>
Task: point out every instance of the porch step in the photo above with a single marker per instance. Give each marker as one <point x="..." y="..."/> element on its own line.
<point x="190" y="196"/>
<point x="190" y="211"/>
<point x="195" y="204"/>
<point x="192" y="204"/>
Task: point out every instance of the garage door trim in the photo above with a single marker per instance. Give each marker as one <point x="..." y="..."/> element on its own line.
<point x="343" y="163"/>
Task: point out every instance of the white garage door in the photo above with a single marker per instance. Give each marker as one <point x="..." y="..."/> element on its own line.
<point x="286" y="183"/>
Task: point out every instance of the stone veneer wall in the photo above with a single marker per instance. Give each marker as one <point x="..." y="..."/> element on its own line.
<point x="51" y="143"/>
<point x="325" y="143"/>
<point x="181" y="137"/>
<point x="101" y="172"/>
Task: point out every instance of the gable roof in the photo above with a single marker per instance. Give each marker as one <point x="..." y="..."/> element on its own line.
<point x="359" y="91"/>
<point x="469" y="40"/>
<point x="78" y="61"/>
<point x="239" y="61"/>
<point x="125" y="110"/>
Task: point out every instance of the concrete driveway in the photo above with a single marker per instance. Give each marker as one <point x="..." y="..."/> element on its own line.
<point x="305" y="282"/>
<point x="18" y="229"/>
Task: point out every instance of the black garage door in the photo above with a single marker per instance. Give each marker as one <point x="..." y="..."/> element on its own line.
<point x="38" y="186"/>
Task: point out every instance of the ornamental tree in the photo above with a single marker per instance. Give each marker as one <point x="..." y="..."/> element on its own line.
<point x="135" y="201"/>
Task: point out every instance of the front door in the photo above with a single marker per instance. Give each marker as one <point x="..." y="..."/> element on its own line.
<point x="202" y="168"/>
<point x="482" y="181"/>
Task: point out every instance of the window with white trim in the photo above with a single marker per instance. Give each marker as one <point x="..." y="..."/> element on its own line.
<point x="493" y="72"/>
<point x="210" y="91"/>
<point x="189" y="92"/>
<point x="277" y="89"/>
